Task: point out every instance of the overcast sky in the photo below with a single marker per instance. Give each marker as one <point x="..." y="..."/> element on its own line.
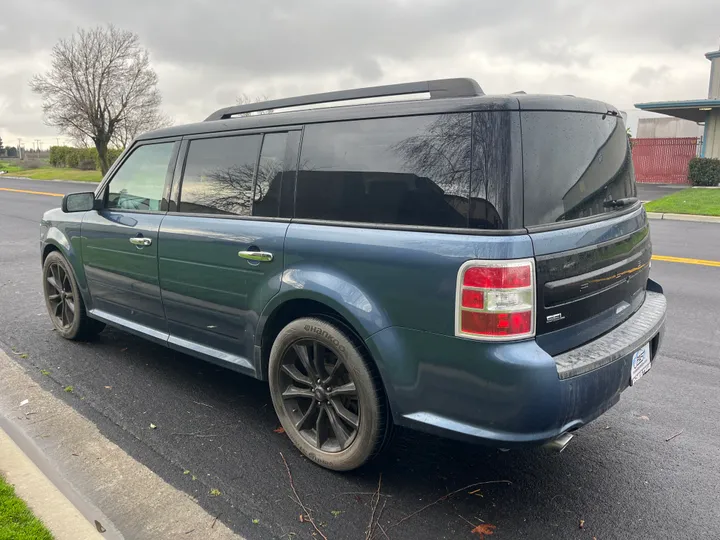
<point x="206" y="53"/>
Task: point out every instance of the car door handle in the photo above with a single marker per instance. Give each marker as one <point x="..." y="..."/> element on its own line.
<point x="260" y="256"/>
<point x="140" y="241"/>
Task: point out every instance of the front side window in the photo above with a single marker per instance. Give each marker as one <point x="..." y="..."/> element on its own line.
<point x="139" y="183"/>
<point x="219" y="175"/>
<point x="407" y="171"/>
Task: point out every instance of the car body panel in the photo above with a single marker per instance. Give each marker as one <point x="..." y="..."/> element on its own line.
<point x="211" y="295"/>
<point x="501" y="394"/>
<point x="62" y="231"/>
<point x="123" y="278"/>
<point x="591" y="278"/>
<point x="388" y="277"/>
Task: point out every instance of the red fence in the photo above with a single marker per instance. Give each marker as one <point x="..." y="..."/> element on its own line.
<point x="663" y="161"/>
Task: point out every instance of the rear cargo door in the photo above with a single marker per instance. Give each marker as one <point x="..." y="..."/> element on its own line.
<point x="590" y="236"/>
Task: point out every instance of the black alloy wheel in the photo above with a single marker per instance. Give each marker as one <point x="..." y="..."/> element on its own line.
<point x="63" y="300"/>
<point x="328" y="395"/>
<point x="60" y="295"/>
<point x="320" y="396"/>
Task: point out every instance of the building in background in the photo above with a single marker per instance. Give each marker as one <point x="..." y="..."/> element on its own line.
<point x="658" y="128"/>
<point x="700" y="111"/>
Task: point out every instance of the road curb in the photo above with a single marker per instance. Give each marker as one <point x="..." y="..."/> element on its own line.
<point x="684" y="217"/>
<point x="136" y="503"/>
<point x="49" y="180"/>
<point x="47" y="502"/>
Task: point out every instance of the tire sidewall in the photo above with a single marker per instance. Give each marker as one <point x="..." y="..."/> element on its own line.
<point x="370" y="426"/>
<point x="68" y="333"/>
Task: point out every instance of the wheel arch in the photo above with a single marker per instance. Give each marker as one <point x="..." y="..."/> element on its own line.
<point x="295" y="308"/>
<point x="57" y="242"/>
<point x="283" y="312"/>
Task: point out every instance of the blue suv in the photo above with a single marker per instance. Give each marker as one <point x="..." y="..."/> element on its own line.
<point x="419" y="255"/>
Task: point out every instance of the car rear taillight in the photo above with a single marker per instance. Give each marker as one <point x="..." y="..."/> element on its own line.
<point x="495" y="300"/>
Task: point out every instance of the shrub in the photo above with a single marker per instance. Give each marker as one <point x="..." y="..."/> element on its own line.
<point x="704" y="171"/>
<point x="58" y="155"/>
<point x="87" y="165"/>
<point x="72" y="158"/>
<point x="113" y="154"/>
<point x="78" y="158"/>
<point x="33" y="164"/>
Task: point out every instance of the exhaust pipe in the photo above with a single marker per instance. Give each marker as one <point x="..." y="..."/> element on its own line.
<point x="560" y="443"/>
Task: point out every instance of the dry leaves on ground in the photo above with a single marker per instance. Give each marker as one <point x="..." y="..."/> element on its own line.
<point x="279" y="430"/>
<point x="483" y="530"/>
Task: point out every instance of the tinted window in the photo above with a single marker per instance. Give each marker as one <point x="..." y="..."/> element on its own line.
<point x="270" y="174"/>
<point x="572" y="164"/>
<point x="219" y="174"/>
<point x="139" y="183"/>
<point x="490" y="182"/>
<point x="410" y="171"/>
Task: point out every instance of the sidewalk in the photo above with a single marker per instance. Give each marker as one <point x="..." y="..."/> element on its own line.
<point x="684" y="217"/>
<point x="67" y="447"/>
<point x="45" y="500"/>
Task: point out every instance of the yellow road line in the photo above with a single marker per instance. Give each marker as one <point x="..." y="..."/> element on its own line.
<point x="685" y="261"/>
<point x="32" y="192"/>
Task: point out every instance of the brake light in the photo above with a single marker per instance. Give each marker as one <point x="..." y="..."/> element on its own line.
<point x="496" y="300"/>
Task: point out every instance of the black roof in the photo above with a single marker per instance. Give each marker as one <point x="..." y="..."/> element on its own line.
<point x="513" y="102"/>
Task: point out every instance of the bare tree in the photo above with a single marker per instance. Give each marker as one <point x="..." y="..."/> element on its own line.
<point x="99" y="81"/>
<point x="139" y="122"/>
<point x="244" y="99"/>
<point x="468" y="158"/>
<point x="232" y="190"/>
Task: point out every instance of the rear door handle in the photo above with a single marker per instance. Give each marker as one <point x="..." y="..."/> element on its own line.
<point x="259" y="256"/>
<point x="140" y="241"/>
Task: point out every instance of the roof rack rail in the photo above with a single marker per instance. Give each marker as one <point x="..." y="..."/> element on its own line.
<point x="440" y="88"/>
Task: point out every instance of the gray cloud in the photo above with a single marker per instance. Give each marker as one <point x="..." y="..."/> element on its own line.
<point x="645" y="76"/>
<point x="206" y="53"/>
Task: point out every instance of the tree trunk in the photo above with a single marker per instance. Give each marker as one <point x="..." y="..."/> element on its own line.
<point x="101" y="144"/>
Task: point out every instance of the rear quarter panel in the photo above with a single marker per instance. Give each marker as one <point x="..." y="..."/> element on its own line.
<point x="380" y="278"/>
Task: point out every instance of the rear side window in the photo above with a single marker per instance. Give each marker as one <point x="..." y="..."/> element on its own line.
<point x="219" y="175"/>
<point x="573" y="163"/>
<point x="406" y="171"/>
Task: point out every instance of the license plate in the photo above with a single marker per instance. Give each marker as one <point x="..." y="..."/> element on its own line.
<point x="640" y="363"/>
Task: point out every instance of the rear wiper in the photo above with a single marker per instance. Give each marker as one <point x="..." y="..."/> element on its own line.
<point x="619" y="203"/>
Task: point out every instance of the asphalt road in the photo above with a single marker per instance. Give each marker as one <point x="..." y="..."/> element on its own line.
<point x="650" y="192"/>
<point x="619" y="477"/>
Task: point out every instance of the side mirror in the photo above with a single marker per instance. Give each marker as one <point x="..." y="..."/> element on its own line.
<point x="78" y="202"/>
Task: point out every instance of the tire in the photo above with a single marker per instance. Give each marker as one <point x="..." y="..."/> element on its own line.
<point x="300" y="402"/>
<point x="64" y="301"/>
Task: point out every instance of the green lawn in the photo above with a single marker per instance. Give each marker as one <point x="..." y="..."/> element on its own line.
<point x="16" y="520"/>
<point x="705" y="202"/>
<point x="51" y="173"/>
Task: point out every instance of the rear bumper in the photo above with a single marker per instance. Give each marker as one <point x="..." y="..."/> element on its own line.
<point x="512" y="394"/>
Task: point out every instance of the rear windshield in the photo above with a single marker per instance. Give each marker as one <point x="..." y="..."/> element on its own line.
<point x="573" y="163"/>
